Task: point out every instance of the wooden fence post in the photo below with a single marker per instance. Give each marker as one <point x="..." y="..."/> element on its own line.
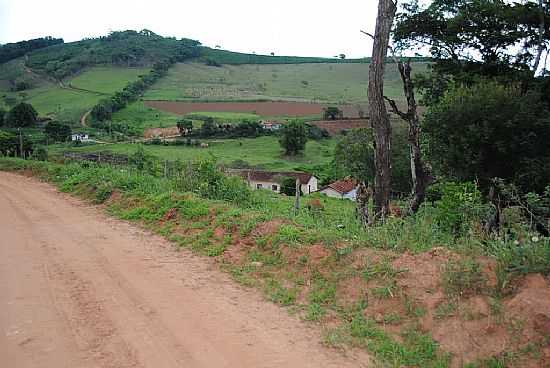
<point x="297" y="197"/>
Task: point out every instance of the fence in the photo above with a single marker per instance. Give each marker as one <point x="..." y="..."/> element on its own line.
<point x="99" y="157"/>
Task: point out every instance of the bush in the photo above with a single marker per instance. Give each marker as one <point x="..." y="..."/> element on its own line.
<point x="58" y="132"/>
<point x="460" y="206"/>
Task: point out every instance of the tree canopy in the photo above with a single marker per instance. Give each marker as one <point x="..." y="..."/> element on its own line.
<point x="21" y="115"/>
<point x="58" y="132"/>
<point x="293" y="137"/>
<point x="487" y="131"/>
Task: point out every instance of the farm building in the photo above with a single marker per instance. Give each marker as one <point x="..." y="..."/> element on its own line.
<point x="271" y="125"/>
<point x="271" y="180"/>
<point x="80" y="137"/>
<point x="346" y="188"/>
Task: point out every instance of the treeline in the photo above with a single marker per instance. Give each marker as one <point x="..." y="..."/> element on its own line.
<point x="183" y="50"/>
<point x="12" y="51"/>
<point x="133" y="90"/>
<point x="215" y="57"/>
<point x="124" y="48"/>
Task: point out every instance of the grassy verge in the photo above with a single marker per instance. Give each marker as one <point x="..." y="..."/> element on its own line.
<point x="319" y="263"/>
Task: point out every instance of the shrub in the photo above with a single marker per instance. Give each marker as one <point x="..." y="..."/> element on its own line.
<point x="460" y="205"/>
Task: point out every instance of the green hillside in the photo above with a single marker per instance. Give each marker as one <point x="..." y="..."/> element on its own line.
<point x="323" y="82"/>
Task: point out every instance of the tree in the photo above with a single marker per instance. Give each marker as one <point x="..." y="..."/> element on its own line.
<point x="208" y="128"/>
<point x="421" y="173"/>
<point x="467" y="38"/>
<point x="2" y="115"/>
<point x="378" y="114"/>
<point x="293" y="137"/>
<point x="354" y="156"/>
<point x="332" y="113"/>
<point x="58" y="132"/>
<point x="490" y="131"/>
<point x="288" y="186"/>
<point x="21" y="115"/>
<point x="185" y="126"/>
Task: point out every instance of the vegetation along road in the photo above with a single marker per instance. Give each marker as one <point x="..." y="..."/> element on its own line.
<point x="78" y="289"/>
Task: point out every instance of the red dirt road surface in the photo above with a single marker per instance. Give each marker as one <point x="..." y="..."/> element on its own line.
<point x="273" y="108"/>
<point x="78" y="289"/>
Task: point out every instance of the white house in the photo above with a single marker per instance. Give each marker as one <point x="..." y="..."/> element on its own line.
<point x="271" y="125"/>
<point x="81" y="137"/>
<point x="344" y="189"/>
<point x="270" y="180"/>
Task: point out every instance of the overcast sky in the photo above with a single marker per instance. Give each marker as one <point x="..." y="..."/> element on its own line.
<point x="286" y="27"/>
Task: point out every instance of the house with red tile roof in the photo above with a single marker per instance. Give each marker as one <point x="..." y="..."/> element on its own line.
<point x="271" y="180"/>
<point x="344" y="189"/>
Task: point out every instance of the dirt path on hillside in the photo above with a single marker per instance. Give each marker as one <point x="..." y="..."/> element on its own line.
<point x="79" y="289"/>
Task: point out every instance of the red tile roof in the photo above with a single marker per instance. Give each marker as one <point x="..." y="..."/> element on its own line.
<point x="343" y="186"/>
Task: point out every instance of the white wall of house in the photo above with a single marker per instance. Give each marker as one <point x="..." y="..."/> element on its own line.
<point x="351" y="195"/>
<point x="331" y="193"/>
<point x="274" y="187"/>
<point x="308" y="188"/>
<point x="311" y="186"/>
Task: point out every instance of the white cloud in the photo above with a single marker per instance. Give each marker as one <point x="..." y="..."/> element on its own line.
<point x="286" y="27"/>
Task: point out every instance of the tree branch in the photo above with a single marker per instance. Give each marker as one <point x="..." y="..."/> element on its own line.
<point x="395" y="108"/>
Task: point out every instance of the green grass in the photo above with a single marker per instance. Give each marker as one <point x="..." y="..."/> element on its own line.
<point x="106" y="80"/>
<point x="262" y="151"/>
<point x="323" y="82"/>
<point x="140" y="117"/>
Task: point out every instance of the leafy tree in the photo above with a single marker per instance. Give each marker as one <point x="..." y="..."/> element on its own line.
<point x="208" y="128"/>
<point x="332" y="113"/>
<point x="11" y="144"/>
<point x="2" y="115"/>
<point x="185" y="126"/>
<point x="483" y="35"/>
<point x="8" y="143"/>
<point x="21" y="115"/>
<point x="487" y="131"/>
<point x="293" y="137"/>
<point x="354" y="156"/>
<point x="58" y="132"/>
<point x="288" y="186"/>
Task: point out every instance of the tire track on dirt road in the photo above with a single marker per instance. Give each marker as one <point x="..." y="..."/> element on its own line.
<point x="79" y="289"/>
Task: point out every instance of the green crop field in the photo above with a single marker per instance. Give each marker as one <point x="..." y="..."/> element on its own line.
<point x="263" y="151"/>
<point x="322" y="82"/>
<point x="66" y="103"/>
<point x="106" y="79"/>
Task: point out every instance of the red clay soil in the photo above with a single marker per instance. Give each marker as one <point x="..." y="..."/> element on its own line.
<point x="267" y="108"/>
<point x="79" y="289"/>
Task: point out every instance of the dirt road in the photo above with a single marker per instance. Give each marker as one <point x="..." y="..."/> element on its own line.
<point x="78" y="289"/>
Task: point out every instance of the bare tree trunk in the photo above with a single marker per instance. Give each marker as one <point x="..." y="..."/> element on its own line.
<point x="362" y="198"/>
<point x="421" y="174"/>
<point x="542" y="46"/>
<point x="378" y="114"/>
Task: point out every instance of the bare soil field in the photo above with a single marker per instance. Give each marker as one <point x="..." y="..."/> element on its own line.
<point x="79" y="290"/>
<point x="267" y="108"/>
<point x="335" y="127"/>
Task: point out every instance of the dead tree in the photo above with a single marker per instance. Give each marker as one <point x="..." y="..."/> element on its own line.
<point x="379" y="118"/>
<point x="421" y="173"/>
<point x="362" y="198"/>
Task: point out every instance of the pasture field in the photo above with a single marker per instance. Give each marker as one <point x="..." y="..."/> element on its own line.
<point x="317" y="82"/>
<point x="262" y="151"/>
<point x="63" y="102"/>
<point x="106" y="80"/>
